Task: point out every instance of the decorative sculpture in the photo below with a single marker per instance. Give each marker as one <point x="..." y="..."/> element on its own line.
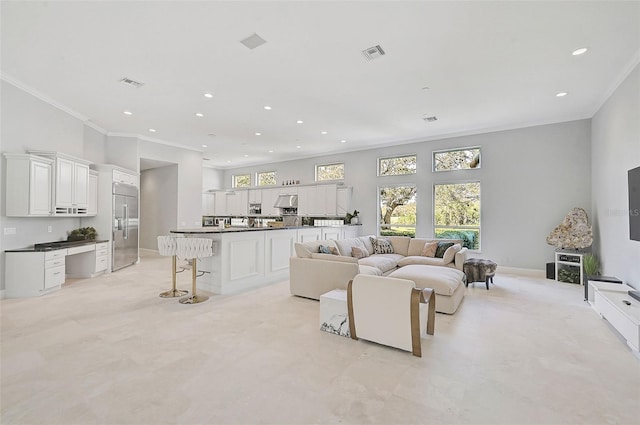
<point x="574" y="232"/>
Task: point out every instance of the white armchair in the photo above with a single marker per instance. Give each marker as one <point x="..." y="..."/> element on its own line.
<point x="390" y="311"/>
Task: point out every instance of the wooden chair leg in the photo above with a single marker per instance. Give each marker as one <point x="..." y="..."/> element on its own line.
<point x="352" y="322"/>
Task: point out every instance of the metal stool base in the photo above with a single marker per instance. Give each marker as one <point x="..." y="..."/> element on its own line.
<point x="193" y="299"/>
<point x="173" y="293"/>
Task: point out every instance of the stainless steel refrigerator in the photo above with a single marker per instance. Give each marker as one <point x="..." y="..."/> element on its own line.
<point x="125" y="226"/>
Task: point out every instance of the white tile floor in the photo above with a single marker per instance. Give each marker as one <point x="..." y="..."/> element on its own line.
<point x="110" y="351"/>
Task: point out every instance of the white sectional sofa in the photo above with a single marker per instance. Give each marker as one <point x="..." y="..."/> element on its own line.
<point x="313" y="273"/>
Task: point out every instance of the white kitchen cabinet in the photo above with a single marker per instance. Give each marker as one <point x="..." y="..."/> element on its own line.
<point x="31" y="274"/>
<point x="269" y="197"/>
<point x="349" y="232"/>
<point x="238" y="202"/>
<point x="29" y="185"/>
<point x="332" y="233"/>
<point x="71" y="188"/>
<point x="208" y="204"/>
<point x="126" y="177"/>
<point x="327" y="201"/>
<point x="92" y="208"/>
<point x="255" y="196"/>
<point x="309" y="234"/>
<point x="220" y="206"/>
<point x="306" y="200"/>
<point x="343" y="201"/>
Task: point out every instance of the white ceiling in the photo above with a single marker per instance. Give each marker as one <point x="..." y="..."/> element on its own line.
<point x="487" y="66"/>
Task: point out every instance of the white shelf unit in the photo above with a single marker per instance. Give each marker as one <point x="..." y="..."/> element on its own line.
<point x="572" y="263"/>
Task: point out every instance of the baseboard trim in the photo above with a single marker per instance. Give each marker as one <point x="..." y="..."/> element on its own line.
<point x="522" y="272"/>
<point x="148" y="250"/>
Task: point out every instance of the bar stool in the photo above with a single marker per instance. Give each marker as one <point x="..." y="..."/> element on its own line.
<point x="167" y="246"/>
<point x="192" y="249"/>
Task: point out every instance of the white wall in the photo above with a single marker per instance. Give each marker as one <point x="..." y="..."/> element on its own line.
<point x="212" y="178"/>
<point x="158" y="196"/>
<point x="189" y="198"/>
<point x="530" y="178"/>
<point x="615" y="150"/>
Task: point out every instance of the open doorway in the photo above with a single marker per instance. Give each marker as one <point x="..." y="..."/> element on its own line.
<point x="158" y="200"/>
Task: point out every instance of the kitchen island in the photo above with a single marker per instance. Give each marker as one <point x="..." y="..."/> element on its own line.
<point x="247" y="257"/>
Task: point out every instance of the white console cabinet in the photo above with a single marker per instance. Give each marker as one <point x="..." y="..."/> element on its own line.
<point x="625" y="318"/>
<point x="29" y="185"/>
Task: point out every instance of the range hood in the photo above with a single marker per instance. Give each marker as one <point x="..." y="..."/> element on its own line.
<point x="286" y="201"/>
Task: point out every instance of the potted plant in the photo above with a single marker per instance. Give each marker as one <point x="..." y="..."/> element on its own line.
<point x="352" y="218"/>
<point x="591" y="265"/>
<point x="83" y="233"/>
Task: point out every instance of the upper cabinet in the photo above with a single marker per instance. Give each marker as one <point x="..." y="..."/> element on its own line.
<point x="29" y="185"/>
<point x="343" y="201"/>
<point x="92" y="208"/>
<point x="71" y="188"/>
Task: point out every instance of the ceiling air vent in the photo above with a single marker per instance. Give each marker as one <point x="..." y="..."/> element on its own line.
<point x="253" y="41"/>
<point x="430" y="119"/>
<point x="373" y="52"/>
<point x="132" y="83"/>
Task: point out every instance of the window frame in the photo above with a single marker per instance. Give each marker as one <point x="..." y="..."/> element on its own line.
<point x="433" y="211"/>
<point x="275" y="178"/>
<point x="234" y="182"/>
<point x="433" y="158"/>
<point x="326" y="165"/>
<point x="396" y="157"/>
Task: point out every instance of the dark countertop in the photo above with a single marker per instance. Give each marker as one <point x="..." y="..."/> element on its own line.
<point x="56" y="245"/>
<point x="215" y="229"/>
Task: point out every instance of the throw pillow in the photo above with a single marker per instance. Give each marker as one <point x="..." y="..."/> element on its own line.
<point x="442" y="247"/>
<point x="450" y="253"/>
<point x="382" y="246"/>
<point x="429" y="249"/>
<point x="359" y="252"/>
<point x="324" y="249"/>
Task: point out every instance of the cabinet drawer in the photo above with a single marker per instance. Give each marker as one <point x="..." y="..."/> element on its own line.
<point x="53" y="277"/>
<point x="101" y="263"/>
<point x="58" y="253"/>
<point x="57" y="262"/>
<point x="81" y="249"/>
<point x="102" y="252"/>
<point x="101" y="246"/>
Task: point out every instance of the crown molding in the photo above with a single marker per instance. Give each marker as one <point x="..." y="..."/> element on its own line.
<point x="635" y="61"/>
<point x="96" y="127"/>
<point x="35" y="93"/>
<point x="153" y="140"/>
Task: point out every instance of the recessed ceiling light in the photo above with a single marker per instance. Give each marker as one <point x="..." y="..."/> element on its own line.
<point x="298" y="147"/>
<point x="128" y="113"/>
<point x="271" y="151"/>
<point x="153" y="130"/>
<point x="299" y="122"/>
<point x="258" y="134"/>
<point x="268" y="108"/>
<point x="208" y="95"/>
<point x="426" y="88"/>
<point x="204" y="146"/>
<point x="198" y="114"/>
<point x="343" y="141"/>
<point x="212" y="134"/>
<point x="323" y="132"/>
<point x="562" y="94"/>
<point x="246" y="155"/>
<point x="579" y="51"/>
<point x="228" y="162"/>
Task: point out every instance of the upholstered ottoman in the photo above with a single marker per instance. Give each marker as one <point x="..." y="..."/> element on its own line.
<point x="479" y="270"/>
<point x="446" y="282"/>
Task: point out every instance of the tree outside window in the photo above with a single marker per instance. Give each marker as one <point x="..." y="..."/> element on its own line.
<point x="266" y="178"/>
<point x="459" y="159"/>
<point x="330" y="172"/>
<point x="397" y="211"/>
<point x="242" y="180"/>
<point x="398" y="165"/>
<point x="457" y="212"/>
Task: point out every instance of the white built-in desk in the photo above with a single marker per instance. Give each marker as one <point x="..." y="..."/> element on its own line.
<point x="32" y="272"/>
